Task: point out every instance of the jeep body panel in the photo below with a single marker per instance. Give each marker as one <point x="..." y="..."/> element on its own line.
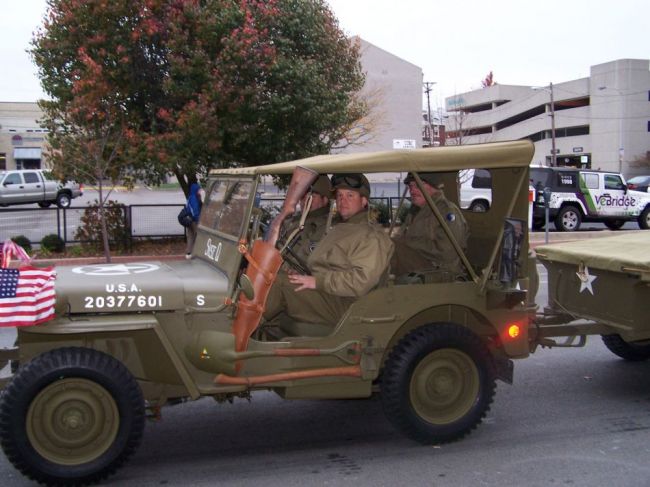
<point x="605" y="280"/>
<point x="165" y="332"/>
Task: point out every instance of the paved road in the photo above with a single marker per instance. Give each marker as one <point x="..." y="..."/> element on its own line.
<point x="574" y="417"/>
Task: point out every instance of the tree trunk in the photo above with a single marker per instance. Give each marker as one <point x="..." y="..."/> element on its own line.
<point x="102" y="222"/>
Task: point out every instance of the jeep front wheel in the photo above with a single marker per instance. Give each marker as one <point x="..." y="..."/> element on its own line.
<point x="568" y="219"/>
<point x="71" y="416"/>
<point x="438" y="383"/>
<point x="644" y="219"/>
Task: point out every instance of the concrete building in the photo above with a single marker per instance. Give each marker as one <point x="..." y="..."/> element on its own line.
<point x="22" y="140"/>
<point x="394" y="91"/>
<point x="599" y="122"/>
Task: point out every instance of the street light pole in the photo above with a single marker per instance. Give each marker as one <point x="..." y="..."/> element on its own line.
<point x="553" y="156"/>
<point x="427" y="90"/>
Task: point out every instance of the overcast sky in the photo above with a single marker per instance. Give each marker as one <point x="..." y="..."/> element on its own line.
<point x="455" y="43"/>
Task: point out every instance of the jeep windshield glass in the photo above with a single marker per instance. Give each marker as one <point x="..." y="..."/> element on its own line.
<point x="225" y="206"/>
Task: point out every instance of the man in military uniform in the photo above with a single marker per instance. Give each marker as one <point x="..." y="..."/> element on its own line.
<point x="350" y="261"/>
<point x="316" y="224"/>
<point x="423" y="245"/>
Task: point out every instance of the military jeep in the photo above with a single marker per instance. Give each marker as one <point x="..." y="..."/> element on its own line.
<point x="128" y="339"/>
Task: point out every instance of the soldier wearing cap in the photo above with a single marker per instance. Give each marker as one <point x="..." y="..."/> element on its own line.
<point x="350" y="261"/>
<point x="316" y="224"/>
<point x="423" y="244"/>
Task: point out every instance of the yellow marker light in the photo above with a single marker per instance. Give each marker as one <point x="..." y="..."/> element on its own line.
<point x="514" y="330"/>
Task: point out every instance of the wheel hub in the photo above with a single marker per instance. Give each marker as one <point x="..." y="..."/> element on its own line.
<point x="444" y="386"/>
<point x="72" y="421"/>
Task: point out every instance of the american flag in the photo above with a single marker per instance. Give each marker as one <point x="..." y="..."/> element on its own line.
<point x="27" y="296"/>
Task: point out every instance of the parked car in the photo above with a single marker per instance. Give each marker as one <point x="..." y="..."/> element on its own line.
<point x="639" y="183"/>
<point x="578" y="195"/>
<point x="476" y="190"/>
<point x="21" y="187"/>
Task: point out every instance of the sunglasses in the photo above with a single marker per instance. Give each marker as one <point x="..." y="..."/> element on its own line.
<point x="351" y="180"/>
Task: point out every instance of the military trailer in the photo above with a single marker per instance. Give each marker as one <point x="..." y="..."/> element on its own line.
<point x="129" y="339"/>
<point x="598" y="287"/>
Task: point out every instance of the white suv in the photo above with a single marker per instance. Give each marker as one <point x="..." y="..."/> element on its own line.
<point x="476" y="190"/>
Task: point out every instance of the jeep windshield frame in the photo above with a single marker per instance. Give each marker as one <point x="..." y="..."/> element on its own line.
<point x="224" y="223"/>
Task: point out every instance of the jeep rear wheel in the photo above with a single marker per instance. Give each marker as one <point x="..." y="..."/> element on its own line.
<point x="71" y="416"/>
<point x="644" y="219"/>
<point x="568" y="219"/>
<point x="438" y="383"/>
<point x="625" y="350"/>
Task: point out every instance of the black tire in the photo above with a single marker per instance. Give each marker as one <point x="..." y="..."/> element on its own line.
<point x="63" y="200"/>
<point x="538" y="224"/>
<point x="625" y="350"/>
<point x="644" y="219"/>
<point x="96" y="426"/>
<point x="44" y="204"/>
<point x="479" y="206"/>
<point x="568" y="219"/>
<point x="614" y="224"/>
<point x="438" y="383"/>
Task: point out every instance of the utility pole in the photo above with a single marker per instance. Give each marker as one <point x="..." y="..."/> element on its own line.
<point x="427" y="89"/>
<point x="553" y="156"/>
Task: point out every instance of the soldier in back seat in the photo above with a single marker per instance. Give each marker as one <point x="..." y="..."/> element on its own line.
<point x="423" y="245"/>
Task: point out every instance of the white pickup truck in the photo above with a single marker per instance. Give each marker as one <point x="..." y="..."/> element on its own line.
<point x="22" y="187"/>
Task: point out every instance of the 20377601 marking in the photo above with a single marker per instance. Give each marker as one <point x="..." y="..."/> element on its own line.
<point x="121" y="300"/>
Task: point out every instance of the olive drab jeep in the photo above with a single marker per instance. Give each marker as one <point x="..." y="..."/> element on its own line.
<point x="128" y="339"/>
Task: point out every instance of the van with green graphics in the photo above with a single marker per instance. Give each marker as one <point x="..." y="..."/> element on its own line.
<point x="578" y="195"/>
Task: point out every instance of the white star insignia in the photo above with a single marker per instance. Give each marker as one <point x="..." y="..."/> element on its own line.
<point x="585" y="279"/>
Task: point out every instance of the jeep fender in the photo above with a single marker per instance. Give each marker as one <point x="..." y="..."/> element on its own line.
<point x="137" y="341"/>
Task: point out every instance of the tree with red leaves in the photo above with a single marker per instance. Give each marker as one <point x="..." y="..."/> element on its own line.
<point x="182" y="86"/>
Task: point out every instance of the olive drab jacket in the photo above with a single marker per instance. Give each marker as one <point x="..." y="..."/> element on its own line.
<point x="312" y="233"/>
<point x="423" y="244"/>
<point x="352" y="259"/>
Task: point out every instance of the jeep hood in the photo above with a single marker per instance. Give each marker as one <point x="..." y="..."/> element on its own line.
<point x="139" y="287"/>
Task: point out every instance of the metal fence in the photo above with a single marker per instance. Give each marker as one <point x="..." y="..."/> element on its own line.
<point x="141" y="221"/>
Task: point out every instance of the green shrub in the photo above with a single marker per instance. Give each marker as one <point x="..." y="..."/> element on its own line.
<point x="53" y="243"/>
<point x="89" y="232"/>
<point x="24" y="242"/>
